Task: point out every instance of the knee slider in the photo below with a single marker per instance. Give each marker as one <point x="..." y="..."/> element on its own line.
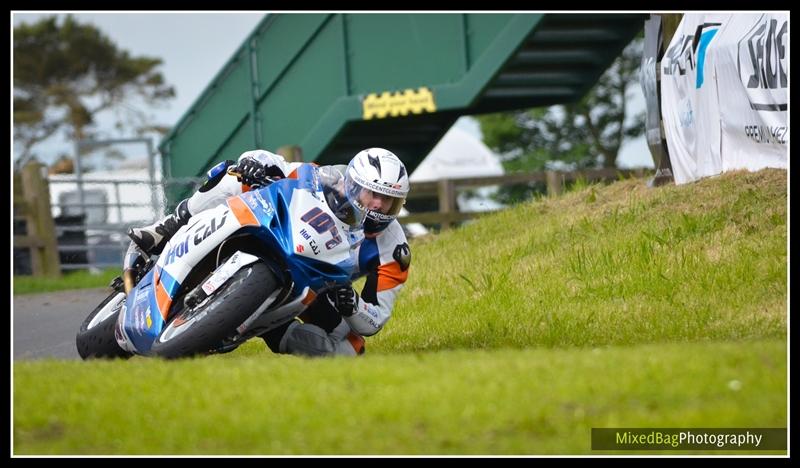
<point x="306" y="339"/>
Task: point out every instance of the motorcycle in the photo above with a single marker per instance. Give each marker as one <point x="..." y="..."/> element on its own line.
<point x="230" y="274"/>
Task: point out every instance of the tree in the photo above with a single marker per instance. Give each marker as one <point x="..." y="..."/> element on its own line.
<point x="585" y="134"/>
<point x="65" y="74"/>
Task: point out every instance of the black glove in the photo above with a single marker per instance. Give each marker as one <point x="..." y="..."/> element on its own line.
<point x="253" y="173"/>
<point x="344" y="299"/>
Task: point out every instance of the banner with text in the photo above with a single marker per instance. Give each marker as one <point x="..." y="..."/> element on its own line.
<point x="751" y="58"/>
<point x="723" y="86"/>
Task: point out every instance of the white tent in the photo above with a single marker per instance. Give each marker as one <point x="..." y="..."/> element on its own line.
<point x="459" y="154"/>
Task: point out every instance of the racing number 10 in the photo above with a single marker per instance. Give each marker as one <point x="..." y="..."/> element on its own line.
<point x="322" y="222"/>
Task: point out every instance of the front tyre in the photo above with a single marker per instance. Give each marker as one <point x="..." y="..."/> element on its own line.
<point x="201" y="328"/>
<point x="95" y="338"/>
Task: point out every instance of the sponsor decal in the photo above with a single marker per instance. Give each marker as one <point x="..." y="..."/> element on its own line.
<point x="141" y="297"/>
<point x="200" y="233"/>
<point x="706" y="33"/>
<point x="766" y="134"/>
<point x="383" y="187"/>
<point x="685" y="113"/>
<point x="371" y="322"/>
<point x="267" y="206"/>
<point x="203" y="231"/>
<point x="681" y="56"/>
<point x="689" y="52"/>
<point x="762" y="61"/>
<point x="387" y="184"/>
<point x="322" y="222"/>
<point x="396" y="104"/>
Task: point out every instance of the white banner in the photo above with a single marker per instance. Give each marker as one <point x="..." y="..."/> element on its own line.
<point x="689" y="103"/>
<point x="751" y="57"/>
<point x="723" y="85"/>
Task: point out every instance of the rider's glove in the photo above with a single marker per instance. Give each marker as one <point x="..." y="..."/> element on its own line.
<point x="255" y="173"/>
<point x="344" y="299"/>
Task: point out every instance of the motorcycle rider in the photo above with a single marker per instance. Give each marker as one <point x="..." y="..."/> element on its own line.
<point x="375" y="182"/>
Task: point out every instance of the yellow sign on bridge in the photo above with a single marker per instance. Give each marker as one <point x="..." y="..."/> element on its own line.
<point x="400" y="103"/>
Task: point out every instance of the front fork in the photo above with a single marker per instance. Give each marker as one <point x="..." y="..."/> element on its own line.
<point x="133" y="266"/>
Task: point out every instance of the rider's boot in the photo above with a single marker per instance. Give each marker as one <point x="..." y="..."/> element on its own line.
<point x="152" y="239"/>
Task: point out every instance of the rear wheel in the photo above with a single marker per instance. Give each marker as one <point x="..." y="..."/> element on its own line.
<point x="199" y="329"/>
<point x="95" y="338"/>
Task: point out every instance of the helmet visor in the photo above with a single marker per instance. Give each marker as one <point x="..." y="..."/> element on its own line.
<point x="344" y="209"/>
<point x="373" y="202"/>
<point x="378" y="202"/>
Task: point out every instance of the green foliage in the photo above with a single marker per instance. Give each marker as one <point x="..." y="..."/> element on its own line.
<point x="581" y="135"/>
<point x="65" y="73"/>
<point x="80" y="279"/>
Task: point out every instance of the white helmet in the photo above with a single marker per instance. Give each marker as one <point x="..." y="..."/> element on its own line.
<point x="380" y="171"/>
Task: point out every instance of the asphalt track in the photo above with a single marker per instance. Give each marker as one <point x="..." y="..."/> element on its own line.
<point x="45" y="324"/>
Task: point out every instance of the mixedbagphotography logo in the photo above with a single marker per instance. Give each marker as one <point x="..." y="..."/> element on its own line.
<point x="761" y="62"/>
<point x="639" y="438"/>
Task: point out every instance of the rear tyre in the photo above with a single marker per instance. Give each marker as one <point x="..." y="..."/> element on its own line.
<point x="201" y="328"/>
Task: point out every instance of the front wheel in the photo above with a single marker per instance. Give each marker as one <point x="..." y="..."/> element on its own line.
<point x="95" y="338"/>
<point x="201" y="328"/>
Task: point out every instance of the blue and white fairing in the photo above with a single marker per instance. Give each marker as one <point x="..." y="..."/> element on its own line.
<point x="290" y="217"/>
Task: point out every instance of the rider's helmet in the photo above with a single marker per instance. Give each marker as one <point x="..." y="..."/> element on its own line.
<point x="376" y="171"/>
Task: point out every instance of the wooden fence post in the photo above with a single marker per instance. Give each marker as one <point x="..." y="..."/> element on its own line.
<point x="447" y="201"/>
<point x="291" y="153"/>
<point x="41" y="238"/>
<point x="555" y="184"/>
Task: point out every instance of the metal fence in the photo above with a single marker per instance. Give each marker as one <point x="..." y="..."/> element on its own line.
<point x="92" y="221"/>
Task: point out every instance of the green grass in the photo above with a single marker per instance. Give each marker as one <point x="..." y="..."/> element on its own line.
<point x="80" y="279"/>
<point x="534" y="401"/>
<point x="621" y="264"/>
<point x="617" y="306"/>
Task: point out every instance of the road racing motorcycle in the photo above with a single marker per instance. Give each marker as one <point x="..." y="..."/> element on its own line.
<point x="230" y="274"/>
